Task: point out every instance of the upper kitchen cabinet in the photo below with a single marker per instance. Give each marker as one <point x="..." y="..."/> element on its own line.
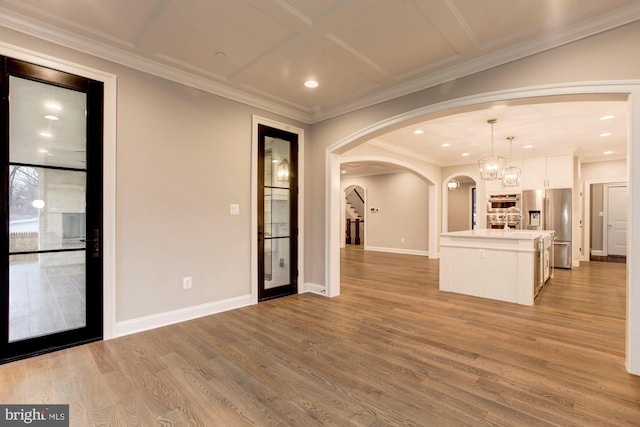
<point x="548" y="172"/>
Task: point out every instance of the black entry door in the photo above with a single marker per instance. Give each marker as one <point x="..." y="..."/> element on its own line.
<point x="277" y="213"/>
<point x="51" y="210"/>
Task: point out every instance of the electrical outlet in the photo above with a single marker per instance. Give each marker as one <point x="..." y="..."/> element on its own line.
<point x="186" y="283"/>
<point x="481" y="253"/>
<point x="402" y="240"/>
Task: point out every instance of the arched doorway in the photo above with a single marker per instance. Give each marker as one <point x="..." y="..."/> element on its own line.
<point x="459" y="203"/>
<point x="332" y="254"/>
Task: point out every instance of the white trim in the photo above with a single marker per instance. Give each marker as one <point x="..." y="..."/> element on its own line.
<point x="332" y="187"/>
<point x="314" y="288"/>
<point x="154" y="321"/>
<point x="216" y="85"/>
<point x="343" y="208"/>
<point x="587" y="214"/>
<point x="109" y="168"/>
<point x="396" y="250"/>
<point x="445" y="197"/>
<point x="255" y="121"/>
<point x="213" y="84"/>
<point x="605" y="219"/>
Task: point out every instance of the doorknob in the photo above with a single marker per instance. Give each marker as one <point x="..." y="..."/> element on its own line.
<point x="95" y="241"/>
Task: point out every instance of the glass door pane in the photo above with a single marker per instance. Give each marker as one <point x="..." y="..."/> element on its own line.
<point x="47" y="209"/>
<point x="277" y="213"/>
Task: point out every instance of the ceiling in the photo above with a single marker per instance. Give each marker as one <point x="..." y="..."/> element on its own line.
<point x="260" y="52"/>
<point x="593" y="129"/>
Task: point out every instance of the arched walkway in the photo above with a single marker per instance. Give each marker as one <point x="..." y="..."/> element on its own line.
<point x="526" y="95"/>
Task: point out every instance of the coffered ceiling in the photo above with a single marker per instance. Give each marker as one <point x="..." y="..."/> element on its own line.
<point x="260" y="52"/>
<point x="360" y="51"/>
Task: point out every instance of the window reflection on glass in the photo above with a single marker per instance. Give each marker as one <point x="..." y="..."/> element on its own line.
<point x="277" y="163"/>
<point x="50" y="205"/>
<point x="276" y="263"/>
<point x="47" y="294"/>
<point x="47" y="124"/>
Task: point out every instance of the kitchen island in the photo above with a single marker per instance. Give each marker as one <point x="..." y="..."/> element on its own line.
<point x="506" y="265"/>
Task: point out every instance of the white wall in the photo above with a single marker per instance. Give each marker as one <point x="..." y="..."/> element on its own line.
<point x="183" y="156"/>
<point x="401" y="223"/>
<point x="602" y="171"/>
<point x="582" y="67"/>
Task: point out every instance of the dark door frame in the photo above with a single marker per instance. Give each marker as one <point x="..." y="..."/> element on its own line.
<point x="302" y="286"/>
<point x="110" y="328"/>
<point x="93" y="329"/>
<point x="264" y="132"/>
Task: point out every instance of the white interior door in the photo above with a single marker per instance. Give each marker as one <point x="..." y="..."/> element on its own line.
<point x="616" y="220"/>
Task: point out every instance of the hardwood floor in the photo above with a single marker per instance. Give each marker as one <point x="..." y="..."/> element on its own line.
<point x="391" y="350"/>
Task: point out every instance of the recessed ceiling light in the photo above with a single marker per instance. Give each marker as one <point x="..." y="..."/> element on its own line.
<point x="42" y="150"/>
<point x="465" y="154"/>
<point x="446" y="144"/>
<point x="528" y="146"/>
<point x="606" y="117"/>
<point x="53" y="106"/>
<point x="605" y="134"/>
<point x="51" y="117"/>
<point x="46" y="134"/>
<point x="418" y="132"/>
<point x="311" y="83"/>
<point x="609" y="152"/>
<point x="221" y="55"/>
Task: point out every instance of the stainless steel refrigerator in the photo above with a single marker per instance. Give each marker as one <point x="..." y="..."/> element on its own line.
<point x="550" y="210"/>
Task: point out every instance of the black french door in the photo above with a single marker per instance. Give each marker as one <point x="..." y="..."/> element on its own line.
<point x="50" y="208"/>
<point x="277" y="213"/>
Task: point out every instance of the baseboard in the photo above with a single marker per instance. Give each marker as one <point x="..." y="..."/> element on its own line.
<point x="397" y="250"/>
<point x="314" y="288"/>
<point x="146" y="323"/>
<point x="597" y="252"/>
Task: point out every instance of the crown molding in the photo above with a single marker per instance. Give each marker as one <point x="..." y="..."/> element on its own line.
<point x="34" y="28"/>
<point x="618" y="18"/>
<point x="70" y="40"/>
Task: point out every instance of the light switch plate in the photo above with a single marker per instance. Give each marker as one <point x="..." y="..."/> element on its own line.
<point x="234" y="209"/>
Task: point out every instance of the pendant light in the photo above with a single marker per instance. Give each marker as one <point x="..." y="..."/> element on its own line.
<point x="492" y="166"/>
<point x="511" y="177"/>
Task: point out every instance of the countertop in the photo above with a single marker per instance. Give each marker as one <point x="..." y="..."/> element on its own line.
<point x="500" y="234"/>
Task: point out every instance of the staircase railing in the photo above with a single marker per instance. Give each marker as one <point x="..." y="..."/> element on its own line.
<point x="353" y="237"/>
<point x="356" y="201"/>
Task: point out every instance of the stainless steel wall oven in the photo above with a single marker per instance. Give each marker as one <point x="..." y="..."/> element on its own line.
<point x="504" y="209"/>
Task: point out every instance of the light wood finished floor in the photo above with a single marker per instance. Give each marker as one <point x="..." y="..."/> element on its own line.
<point x="391" y="350"/>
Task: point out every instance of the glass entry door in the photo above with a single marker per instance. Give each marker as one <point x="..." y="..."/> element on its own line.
<point x="277" y="213"/>
<point x="51" y="263"/>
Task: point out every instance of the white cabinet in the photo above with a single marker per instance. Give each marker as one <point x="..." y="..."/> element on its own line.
<point x="534" y="173"/>
<point x="548" y="172"/>
<point x="560" y="172"/>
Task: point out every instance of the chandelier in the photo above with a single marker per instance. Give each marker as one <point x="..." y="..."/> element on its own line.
<point x="492" y="166"/>
<point x="511" y="177"/>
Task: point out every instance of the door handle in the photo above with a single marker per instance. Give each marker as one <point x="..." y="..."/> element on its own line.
<point x="95" y="243"/>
